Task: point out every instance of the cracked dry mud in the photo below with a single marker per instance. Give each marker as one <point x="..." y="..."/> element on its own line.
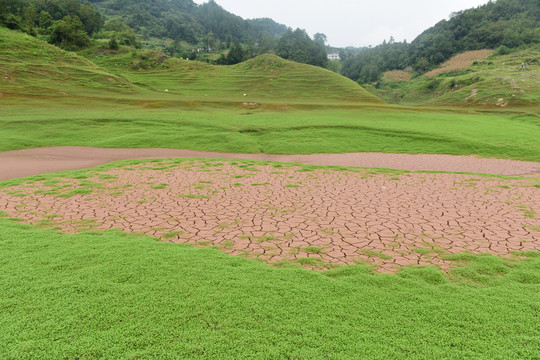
<point x="317" y="218"/>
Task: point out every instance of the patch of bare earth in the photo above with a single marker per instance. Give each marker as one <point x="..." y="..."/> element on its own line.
<point x="397" y="75"/>
<point x="459" y="62"/>
<point x="317" y="218"/>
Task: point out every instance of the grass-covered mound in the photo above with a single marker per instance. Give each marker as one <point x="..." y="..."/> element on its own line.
<point x="111" y="295"/>
<point x="29" y="66"/>
<point x="264" y="78"/>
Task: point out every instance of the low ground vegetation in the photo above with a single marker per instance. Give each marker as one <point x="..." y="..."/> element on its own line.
<point x="115" y="295"/>
<point x="111" y="295"/>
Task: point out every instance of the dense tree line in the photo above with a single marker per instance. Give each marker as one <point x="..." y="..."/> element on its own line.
<point x="207" y="28"/>
<point x="69" y="23"/>
<point x="505" y="23"/>
<point x="183" y="20"/>
<point x="368" y="64"/>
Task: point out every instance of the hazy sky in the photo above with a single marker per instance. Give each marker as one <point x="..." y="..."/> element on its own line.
<point x="352" y="22"/>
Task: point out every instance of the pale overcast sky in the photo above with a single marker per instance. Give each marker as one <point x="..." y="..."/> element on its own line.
<point x="352" y="22"/>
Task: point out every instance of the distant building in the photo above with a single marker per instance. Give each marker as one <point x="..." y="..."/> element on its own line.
<point x="201" y="49"/>
<point x="334" y="56"/>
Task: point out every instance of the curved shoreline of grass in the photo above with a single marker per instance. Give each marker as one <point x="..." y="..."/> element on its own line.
<point x="114" y="295"/>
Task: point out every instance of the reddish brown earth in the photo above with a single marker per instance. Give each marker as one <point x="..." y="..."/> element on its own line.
<point x="317" y="218"/>
<point x="27" y="162"/>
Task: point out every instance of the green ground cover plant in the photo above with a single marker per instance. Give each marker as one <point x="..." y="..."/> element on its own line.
<point x="293" y="132"/>
<point x="113" y="295"/>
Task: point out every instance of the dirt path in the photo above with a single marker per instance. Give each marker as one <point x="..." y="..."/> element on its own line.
<point x="277" y="213"/>
<point x="19" y="163"/>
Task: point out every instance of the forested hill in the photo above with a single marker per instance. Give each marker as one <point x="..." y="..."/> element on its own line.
<point x="504" y="23"/>
<point x="180" y="28"/>
<point x="183" y="20"/>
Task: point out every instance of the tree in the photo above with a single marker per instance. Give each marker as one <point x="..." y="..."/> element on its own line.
<point x="370" y="74"/>
<point x="113" y="44"/>
<point x="69" y="33"/>
<point x="13" y="22"/>
<point x="90" y="18"/>
<point x="30" y="17"/>
<point x="45" y="21"/>
<point x="236" y="55"/>
<point x="266" y="44"/>
<point x="298" y="46"/>
<point x="422" y="65"/>
<point x="320" y="38"/>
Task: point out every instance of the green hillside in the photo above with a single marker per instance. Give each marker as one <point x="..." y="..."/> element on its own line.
<point x="508" y="24"/>
<point x="52" y="97"/>
<point x="184" y="20"/>
<point x="265" y="77"/>
<point x="496" y="82"/>
<point x="32" y="67"/>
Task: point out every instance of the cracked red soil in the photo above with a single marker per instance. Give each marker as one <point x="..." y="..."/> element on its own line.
<point x="318" y="218"/>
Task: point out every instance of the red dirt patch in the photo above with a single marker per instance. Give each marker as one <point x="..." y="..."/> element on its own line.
<point x="397" y="75"/>
<point x="460" y="62"/>
<point x="317" y="218"/>
<point x="27" y="162"/>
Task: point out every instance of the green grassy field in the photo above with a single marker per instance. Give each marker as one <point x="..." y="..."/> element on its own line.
<point x="112" y="295"/>
<point x="230" y="128"/>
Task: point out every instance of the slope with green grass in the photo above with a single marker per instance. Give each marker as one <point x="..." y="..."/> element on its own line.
<point x="496" y="82"/>
<point x="31" y="67"/>
<point x="264" y="78"/>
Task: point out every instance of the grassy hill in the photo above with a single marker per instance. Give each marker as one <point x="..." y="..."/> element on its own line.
<point x="265" y="77"/>
<point x="29" y="66"/>
<point x="498" y="81"/>
<point x="32" y="67"/>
